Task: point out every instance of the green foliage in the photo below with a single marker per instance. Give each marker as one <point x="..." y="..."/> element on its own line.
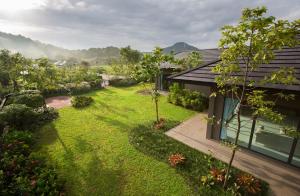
<point x="18" y="73"/>
<point x="46" y="114"/>
<point x="130" y="56"/>
<point x="21" y="171"/>
<point x="122" y="82"/>
<point x="252" y="42"/>
<point x="81" y="101"/>
<point x="22" y="117"/>
<point x="33" y="100"/>
<point x="127" y="63"/>
<point x="192" y="60"/>
<point x="187" y="98"/>
<point x="175" y="94"/>
<point x="155" y="143"/>
<point x="18" y="116"/>
<point x="149" y="71"/>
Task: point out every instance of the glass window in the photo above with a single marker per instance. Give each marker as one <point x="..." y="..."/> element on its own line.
<point x="269" y="137"/>
<point x="230" y="123"/>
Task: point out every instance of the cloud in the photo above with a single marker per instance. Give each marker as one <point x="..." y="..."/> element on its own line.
<point x="142" y="24"/>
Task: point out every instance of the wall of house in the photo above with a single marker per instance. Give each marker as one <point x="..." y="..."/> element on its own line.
<point x="215" y="112"/>
<point x="206" y="90"/>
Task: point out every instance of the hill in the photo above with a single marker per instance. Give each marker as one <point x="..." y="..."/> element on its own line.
<point x="180" y="47"/>
<point x="35" y="49"/>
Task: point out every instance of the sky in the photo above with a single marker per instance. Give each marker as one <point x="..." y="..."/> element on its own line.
<point x="142" y="24"/>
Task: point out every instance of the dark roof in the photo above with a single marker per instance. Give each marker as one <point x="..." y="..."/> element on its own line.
<point x="286" y="57"/>
<point x="209" y="55"/>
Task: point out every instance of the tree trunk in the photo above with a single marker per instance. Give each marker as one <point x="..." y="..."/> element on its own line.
<point x="234" y="148"/>
<point x="15" y="85"/>
<point x="156" y="97"/>
<point x="156" y="108"/>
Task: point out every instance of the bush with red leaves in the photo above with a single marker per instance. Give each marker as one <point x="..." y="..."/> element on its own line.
<point x="176" y="159"/>
<point x="248" y="183"/>
<point x="160" y="124"/>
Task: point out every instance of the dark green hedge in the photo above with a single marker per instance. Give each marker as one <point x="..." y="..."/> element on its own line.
<point x="122" y="82"/>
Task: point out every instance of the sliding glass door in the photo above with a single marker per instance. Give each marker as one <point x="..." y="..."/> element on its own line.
<point x="261" y="135"/>
<point x="230" y="123"/>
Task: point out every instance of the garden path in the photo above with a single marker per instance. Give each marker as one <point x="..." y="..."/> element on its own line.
<point x="58" y="102"/>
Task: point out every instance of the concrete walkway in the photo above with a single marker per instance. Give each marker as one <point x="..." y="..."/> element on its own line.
<point x="284" y="180"/>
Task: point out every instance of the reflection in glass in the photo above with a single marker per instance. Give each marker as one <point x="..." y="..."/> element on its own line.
<point x="270" y="139"/>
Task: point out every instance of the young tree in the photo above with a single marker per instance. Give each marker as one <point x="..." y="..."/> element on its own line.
<point x="149" y="71"/>
<point x="246" y="47"/>
<point x="192" y="60"/>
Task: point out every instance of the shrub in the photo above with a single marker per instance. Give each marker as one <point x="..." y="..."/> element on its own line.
<point x="96" y="83"/>
<point x="81" y="101"/>
<point x="176" y="92"/>
<point x="22" y="117"/>
<point x="21" y="171"/>
<point x="194" y="100"/>
<point x="17" y="142"/>
<point x="18" y="116"/>
<point x="118" y="82"/>
<point x="73" y="88"/>
<point x="53" y="91"/>
<point x="46" y="114"/>
<point x="160" y="124"/>
<point x="80" y="88"/>
<point x="33" y="100"/>
<point x="176" y="159"/>
<point x="189" y="99"/>
<point x="248" y="184"/>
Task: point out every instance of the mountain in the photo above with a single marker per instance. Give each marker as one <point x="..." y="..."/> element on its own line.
<point x="180" y="47"/>
<point x="35" y="49"/>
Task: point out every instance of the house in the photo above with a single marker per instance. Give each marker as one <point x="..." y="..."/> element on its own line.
<point x="168" y="69"/>
<point x="257" y="134"/>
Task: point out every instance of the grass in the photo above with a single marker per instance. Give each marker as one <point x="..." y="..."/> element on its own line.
<point x="91" y="147"/>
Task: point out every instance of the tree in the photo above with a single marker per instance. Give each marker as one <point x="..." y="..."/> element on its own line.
<point x="11" y="66"/>
<point x="246" y="47"/>
<point x="192" y="60"/>
<point x="149" y="71"/>
<point x="130" y="56"/>
<point x="127" y="62"/>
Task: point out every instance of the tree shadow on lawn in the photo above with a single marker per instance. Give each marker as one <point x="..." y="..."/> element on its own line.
<point x="120" y="111"/>
<point x="113" y="122"/>
<point x="81" y="167"/>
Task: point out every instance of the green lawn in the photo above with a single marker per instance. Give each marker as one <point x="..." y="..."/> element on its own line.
<point x="91" y="148"/>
